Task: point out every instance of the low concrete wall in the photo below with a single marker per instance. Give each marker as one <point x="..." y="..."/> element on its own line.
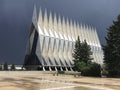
<point x="39" y="72"/>
<point x="26" y="72"/>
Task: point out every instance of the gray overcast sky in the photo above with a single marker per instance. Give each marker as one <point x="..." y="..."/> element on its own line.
<point x="16" y="15"/>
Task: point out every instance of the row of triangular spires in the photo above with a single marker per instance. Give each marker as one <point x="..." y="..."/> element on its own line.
<point x="65" y="28"/>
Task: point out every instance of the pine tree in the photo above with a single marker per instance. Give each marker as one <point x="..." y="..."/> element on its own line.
<point x="13" y="67"/>
<point x="82" y="55"/>
<point x="112" y="49"/>
<point x="76" y="54"/>
<point x="5" y="66"/>
<point x="77" y="50"/>
<point x="86" y="52"/>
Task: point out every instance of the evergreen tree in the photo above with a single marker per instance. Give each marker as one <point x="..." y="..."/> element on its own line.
<point x="13" y="67"/>
<point x="0" y="67"/>
<point x="82" y="55"/>
<point x="5" y="66"/>
<point x="112" y="49"/>
<point x="86" y="52"/>
<point x="76" y="54"/>
<point x="82" y="60"/>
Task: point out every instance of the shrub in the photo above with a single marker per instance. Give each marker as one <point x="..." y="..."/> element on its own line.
<point x="80" y="66"/>
<point x="92" y="69"/>
<point x="61" y="72"/>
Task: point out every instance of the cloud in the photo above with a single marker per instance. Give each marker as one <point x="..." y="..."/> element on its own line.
<point x="16" y="17"/>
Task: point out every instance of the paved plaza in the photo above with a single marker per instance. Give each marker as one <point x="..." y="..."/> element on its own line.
<point x="36" y="80"/>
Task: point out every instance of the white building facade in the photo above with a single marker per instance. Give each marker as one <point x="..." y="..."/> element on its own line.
<point x="51" y="42"/>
